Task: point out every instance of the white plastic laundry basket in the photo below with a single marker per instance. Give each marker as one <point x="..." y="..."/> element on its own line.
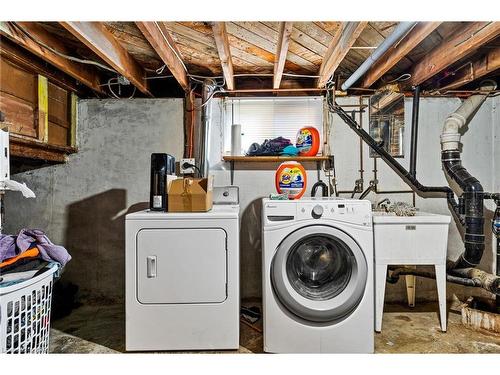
<point x="25" y="314"/>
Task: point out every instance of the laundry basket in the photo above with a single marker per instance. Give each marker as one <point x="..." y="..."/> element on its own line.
<point x="25" y="314"/>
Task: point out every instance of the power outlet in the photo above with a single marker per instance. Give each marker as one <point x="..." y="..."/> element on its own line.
<point x="183" y="170"/>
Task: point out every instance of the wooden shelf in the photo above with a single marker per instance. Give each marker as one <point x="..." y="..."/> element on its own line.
<point x="274" y="158"/>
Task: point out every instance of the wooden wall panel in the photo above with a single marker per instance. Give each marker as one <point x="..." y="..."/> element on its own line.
<point x="18" y="98"/>
<point x="59" y="116"/>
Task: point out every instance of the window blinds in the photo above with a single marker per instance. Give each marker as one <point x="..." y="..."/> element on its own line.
<point x="267" y="118"/>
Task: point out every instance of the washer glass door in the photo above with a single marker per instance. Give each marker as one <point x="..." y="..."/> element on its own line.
<point x="319" y="273"/>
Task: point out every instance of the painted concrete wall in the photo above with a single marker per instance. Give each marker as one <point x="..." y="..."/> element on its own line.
<point x="82" y="203"/>
<point x="480" y="152"/>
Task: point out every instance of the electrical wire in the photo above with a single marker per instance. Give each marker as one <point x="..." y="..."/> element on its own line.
<point x="172" y="48"/>
<point x="72" y="58"/>
<point x="109" y="84"/>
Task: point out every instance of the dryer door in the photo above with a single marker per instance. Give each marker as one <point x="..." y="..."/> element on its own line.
<point x="319" y="273"/>
<point x="186" y="265"/>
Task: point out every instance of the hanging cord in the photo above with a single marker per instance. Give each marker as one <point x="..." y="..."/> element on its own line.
<point x="111" y="82"/>
<point x="72" y="58"/>
<point x="402" y="78"/>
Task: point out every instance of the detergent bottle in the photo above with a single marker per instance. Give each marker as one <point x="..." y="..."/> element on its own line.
<point x="308" y="141"/>
<point x="291" y="178"/>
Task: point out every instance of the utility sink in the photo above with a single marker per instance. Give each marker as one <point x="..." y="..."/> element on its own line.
<point x="422" y="238"/>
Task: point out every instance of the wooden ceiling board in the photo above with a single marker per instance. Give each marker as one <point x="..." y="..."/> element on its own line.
<point x="130" y="37"/>
<point x="296" y="48"/>
<point x="329" y="27"/>
<point x="266" y="37"/>
<point x="315" y="32"/>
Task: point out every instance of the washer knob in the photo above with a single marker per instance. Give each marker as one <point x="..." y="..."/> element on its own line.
<point x="317" y="211"/>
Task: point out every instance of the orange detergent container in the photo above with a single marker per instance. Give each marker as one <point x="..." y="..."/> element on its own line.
<point x="291" y="178"/>
<point x="308" y="141"/>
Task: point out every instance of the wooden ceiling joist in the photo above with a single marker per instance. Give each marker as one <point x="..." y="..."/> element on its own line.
<point x="222" y="43"/>
<point x="343" y="40"/>
<point x="100" y="40"/>
<point x="484" y="65"/>
<point x="29" y="35"/>
<point x="398" y="52"/>
<point x="463" y="42"/>
<point x="285" y="32"/>
<point x="162" y="42"/>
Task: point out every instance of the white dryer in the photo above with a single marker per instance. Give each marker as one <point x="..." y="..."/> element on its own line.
<point x="318" y="276"/>
<point x="182" y="280"/>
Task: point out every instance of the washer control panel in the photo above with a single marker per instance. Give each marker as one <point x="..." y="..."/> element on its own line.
<point x="354" y="211"/>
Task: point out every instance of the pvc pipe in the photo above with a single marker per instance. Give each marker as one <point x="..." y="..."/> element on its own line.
<point x="450" y="137"/>
<point x="399" y="32"/>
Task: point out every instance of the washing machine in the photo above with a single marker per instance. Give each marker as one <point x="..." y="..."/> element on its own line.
<point x="182" y="280"/>
<point x="318" y="276"/>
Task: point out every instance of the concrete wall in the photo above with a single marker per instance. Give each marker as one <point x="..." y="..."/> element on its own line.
<point x="480" y="152"/>
<point x="82" y="203"/>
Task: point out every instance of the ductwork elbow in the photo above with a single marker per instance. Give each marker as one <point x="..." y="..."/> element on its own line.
<point x="450" y="137"/>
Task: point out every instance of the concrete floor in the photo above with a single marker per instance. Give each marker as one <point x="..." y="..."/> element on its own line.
<point x="101" y="329"/>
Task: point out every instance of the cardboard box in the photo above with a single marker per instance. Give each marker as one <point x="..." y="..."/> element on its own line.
<point x="190" y="195"/>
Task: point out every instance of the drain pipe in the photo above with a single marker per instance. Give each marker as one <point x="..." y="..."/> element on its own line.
<point x="400" y="31"/>
<point x="414" y="132"/>
<point x="473" y="194"/>
<point x="203" y="140"/>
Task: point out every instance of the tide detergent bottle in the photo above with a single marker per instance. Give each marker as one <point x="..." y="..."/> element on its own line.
<point x="291" y="178"/>
<point x="308" y="141"/>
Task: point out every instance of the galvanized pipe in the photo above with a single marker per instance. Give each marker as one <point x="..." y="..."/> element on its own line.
<point x="203" y="140"/>
<point x="400" y="31"/>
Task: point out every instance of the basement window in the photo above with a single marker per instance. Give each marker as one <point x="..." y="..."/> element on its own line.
<point x="267" y="118"/>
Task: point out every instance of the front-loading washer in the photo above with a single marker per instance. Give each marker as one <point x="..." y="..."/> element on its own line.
<point x="182" y="289"/>
<point x="318" y="276"/>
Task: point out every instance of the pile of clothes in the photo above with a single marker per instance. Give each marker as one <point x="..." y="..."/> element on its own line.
<point x="28" y="254"/>
<point x="273" y="147"/>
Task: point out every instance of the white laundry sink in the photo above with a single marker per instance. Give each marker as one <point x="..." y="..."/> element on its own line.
<point x="422" y="238"/>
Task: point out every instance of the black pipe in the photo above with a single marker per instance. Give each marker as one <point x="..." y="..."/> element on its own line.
<point x="495" y="228"/>
<point x="389" y="159"/>
<point x="394" y="277"/>
<point x="473" y="198"/>
<point x="414" y="132"/>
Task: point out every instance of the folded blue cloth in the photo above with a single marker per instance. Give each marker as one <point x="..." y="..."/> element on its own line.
<point x="290" y="151"/>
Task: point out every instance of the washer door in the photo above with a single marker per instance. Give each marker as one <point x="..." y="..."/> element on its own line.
<point x="319" y="273"/>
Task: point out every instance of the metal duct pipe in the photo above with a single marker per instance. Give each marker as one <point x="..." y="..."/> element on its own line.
<point x="414" y="132"/>
<point x="473" y="194"/>
<point x="204" y="130"/>
<point x="399" y="32"/>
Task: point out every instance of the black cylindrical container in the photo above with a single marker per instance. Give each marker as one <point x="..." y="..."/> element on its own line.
<point x="161" y="166"/>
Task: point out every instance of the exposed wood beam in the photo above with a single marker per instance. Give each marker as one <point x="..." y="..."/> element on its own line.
<point x="162" y="42"/>
<point x="11" y="51"/>
<point x="460" y="44"/>
<point x="25" y="34"/>
<point x="343" y="40"/>
<point x="281" y="52"/>
<point x="398" y="52"/>
<point x="100" y="40"/>
<point x="485" y="64"/>
<point x="222" y="43"/>
<point x="385" y="101"/>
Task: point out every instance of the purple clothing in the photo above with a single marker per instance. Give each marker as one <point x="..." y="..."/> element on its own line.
<point x="11" y="246"/>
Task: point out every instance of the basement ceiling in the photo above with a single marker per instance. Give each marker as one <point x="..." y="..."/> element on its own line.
<point x="329" y="49"/>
